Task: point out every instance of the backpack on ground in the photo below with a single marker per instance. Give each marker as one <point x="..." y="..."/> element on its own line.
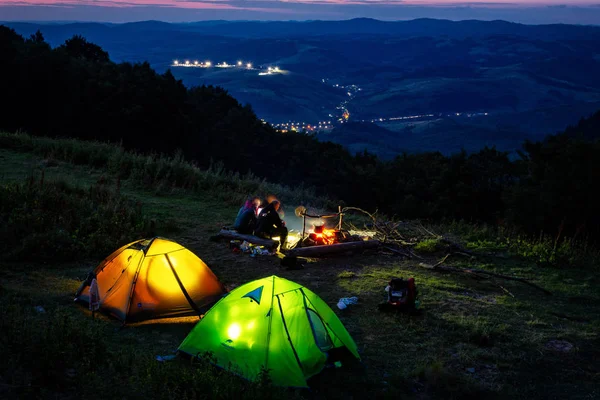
<point x="401" y="295"/>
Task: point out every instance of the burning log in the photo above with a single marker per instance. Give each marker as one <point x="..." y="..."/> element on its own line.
<point x="316" y="251"/>
<point x="230" y="234"/>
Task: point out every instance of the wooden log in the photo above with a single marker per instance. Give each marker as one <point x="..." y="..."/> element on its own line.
<point x="230" y="234"/>
<point x="316" y="251"/>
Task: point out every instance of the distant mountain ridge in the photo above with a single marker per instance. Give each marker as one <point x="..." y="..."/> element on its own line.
<point x="416" y="27"/>
<point x="528" y="80"/>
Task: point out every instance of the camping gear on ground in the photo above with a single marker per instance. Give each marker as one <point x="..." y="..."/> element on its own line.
<point x="401" y="295"/>
<point x="344" y="302"/>
<point x="169" y="357"/>
<point x="271" y="324"/>
<point x="94" y="301"/>
<point x="254" y="250"/>
<point x="153" y="278"/>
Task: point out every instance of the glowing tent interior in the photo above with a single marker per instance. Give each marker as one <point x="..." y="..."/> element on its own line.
<point x="153" y="278"/>
<point x="271" y="324"/>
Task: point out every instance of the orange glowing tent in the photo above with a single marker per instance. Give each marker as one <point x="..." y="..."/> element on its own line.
<point x="153" y="278"/>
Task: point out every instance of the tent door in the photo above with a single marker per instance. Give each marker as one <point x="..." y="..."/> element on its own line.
<point x="319" y="330"/>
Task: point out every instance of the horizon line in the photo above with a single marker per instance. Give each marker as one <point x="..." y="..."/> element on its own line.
<point x="65" y="22"/>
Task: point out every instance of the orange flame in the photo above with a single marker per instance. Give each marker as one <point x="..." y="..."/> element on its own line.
<point x="327" y="236"/>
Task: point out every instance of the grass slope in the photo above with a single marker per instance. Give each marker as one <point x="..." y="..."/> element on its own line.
<point x="475" y="339"/>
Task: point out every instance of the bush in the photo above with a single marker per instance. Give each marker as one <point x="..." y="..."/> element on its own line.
<point x="162" y="174"/>
<point x="547" y="251"/>
<point x="428" y="246"/>
<point x="56" y="222"/>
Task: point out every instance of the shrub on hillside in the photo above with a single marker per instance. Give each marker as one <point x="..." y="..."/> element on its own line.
<point x="52" y="221"/>
<point x="162" y="174"/>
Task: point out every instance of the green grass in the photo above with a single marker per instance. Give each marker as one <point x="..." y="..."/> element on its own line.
<point x="428" y="246"/>
<point x="475" y="338"/>
<point x="157" y="174"/>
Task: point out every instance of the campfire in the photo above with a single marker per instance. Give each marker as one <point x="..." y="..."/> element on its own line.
<point x="320" y="234"/>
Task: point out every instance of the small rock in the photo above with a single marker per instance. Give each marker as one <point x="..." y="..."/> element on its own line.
<point x="559" y="345"/>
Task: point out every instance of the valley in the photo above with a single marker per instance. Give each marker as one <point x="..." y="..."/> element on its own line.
<point x="515" y="81"/>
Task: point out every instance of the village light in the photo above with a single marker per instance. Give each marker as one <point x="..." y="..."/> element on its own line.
<point x="249" y="65"/>
<point x="176" y="62"/>
<point x="195" y="62"/>
<point x="208" y="63"/>
<point x="239" y="63"/>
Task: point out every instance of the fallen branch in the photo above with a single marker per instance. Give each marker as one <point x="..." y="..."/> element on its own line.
<point x="316" y="251"/>
<point x="510" y="278"/>
<point x="455" y="247"/>
<point x="439" y="267"/>
<point x="408" y="255"/>
<point x="420" y="226"/>
<point x="443" y="260"/>
<point x="506" y="290"/>
<point x="569" y="317"/>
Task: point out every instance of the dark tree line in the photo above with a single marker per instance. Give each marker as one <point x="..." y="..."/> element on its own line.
<point x="74" y="90"/>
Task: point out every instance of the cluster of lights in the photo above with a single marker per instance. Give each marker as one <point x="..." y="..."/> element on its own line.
<point x="409" y="117"/>
<point x="296" y="126"/>
<point x="224" y="64"/>
<point x="271" y="70"/>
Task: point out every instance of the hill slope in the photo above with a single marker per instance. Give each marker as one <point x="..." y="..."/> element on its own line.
<point x="487" y="348"/>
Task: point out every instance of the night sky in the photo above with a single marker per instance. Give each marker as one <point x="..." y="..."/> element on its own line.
<point x="525" y="11"/>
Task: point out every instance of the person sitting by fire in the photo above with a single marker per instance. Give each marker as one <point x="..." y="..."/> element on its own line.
<point x="245" y="222"/>
<point x="270" y="225"/>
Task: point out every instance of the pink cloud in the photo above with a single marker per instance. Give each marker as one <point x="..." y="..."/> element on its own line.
<point x="196" y="5"/>
<point x="226" y="5"/>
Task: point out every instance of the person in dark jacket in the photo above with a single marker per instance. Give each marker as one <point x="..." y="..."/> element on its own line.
<point x="246" y="217"/>
<point x="269" y="224"/>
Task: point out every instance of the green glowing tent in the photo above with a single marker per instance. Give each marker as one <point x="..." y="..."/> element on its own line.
<point x="270" y="323"/>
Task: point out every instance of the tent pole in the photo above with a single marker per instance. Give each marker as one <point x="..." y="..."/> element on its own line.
<point x="135" y="278"/>
<point x="288" y="333"/>
<point x="185" y="293"/>
<point x="270" y="320"/>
